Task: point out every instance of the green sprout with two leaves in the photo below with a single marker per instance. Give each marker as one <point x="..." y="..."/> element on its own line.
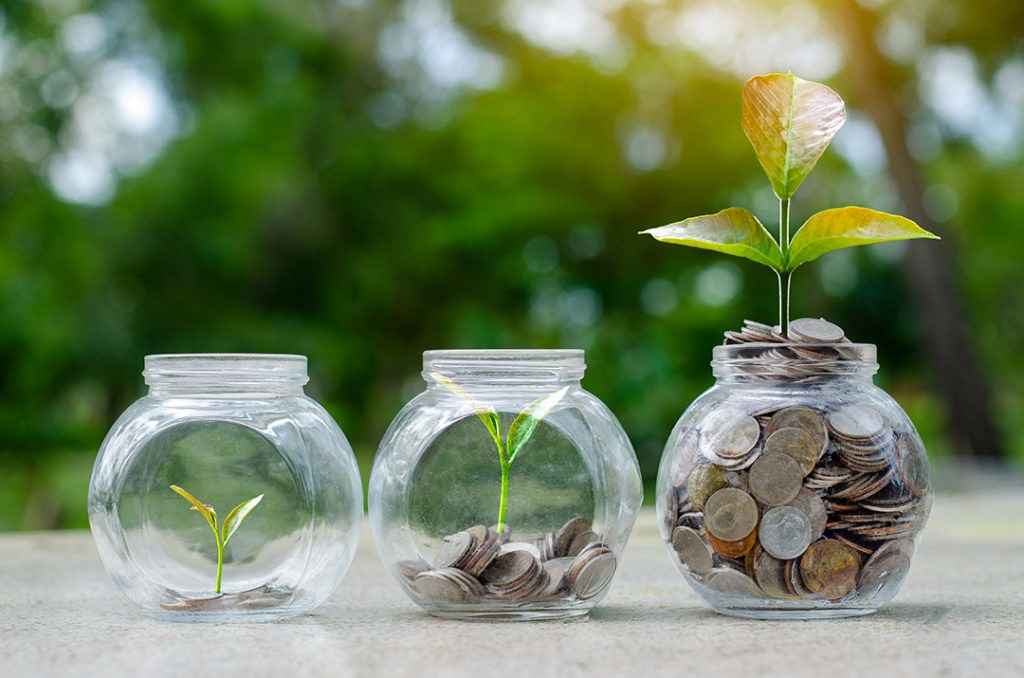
<point x="789" y="122"/>
<point x="225" y="531"/>
<point x="519" y="432"/>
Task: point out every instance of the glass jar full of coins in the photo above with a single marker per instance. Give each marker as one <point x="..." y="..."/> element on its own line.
<point x="794" y="488"/>
<point x="504" y="490"/>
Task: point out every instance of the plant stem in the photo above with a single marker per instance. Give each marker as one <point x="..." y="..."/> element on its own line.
<point x="784" y="278"/>
<point x="220" y="563"/>
<point x="503" y="502"/>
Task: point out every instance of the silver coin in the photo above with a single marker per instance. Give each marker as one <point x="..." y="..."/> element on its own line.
<point x="785" y="532"/>
<point x="912" y="470"/>
<point x="592" y="572"/>
<point x="856" y="421"/>
<point x="455" y="549"/>
<point x="693" y="551"/>
<point x="812" y="506"/>
<point x="510" y="565"/>
<point x="731" y="514"/>
<point x="769" y="573"/>
<point x="728" y="580"/>
<point x="815" y="330"/>
<point x="567" y="533"/>
<point x="775" y="479"/>
<point x="581" y="542"/>
<point x="448" y="585"/>
<point x="728" y="434"/>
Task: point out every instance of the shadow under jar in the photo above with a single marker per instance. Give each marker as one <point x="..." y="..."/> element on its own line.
<point x="545" y="546"/>
<point x="226" y="428"/>
<point x="794" y="488"/>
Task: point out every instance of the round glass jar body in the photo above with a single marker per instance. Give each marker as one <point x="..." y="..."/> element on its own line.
<point x="225" y="429"/>
<point x="469" y="534"/>
<point x="794" y="488"/>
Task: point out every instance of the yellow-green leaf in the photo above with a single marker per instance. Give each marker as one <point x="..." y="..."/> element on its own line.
<point x="789" y="122"/>
<point x="204" y="509"/>
<point x="526" y="423"/>
<point x="732" y="231"/>
<point x="486" y="412"/>
<point x="237" y="515"/>
<point x="842" y="227"/>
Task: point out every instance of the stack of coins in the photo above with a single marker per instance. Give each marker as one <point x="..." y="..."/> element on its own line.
<point x="813" y="349"/>
<point x="804" y="498"/>
<point x="480" y="564"/>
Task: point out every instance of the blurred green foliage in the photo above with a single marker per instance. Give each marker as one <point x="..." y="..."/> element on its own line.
<point x="358" y="181"/>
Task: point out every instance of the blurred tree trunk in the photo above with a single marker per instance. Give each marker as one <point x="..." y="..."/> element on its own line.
<point x="928" y="265"/>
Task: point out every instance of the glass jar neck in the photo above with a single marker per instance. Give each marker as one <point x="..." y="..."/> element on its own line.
<point x="505" y="367"/>
<point x="237" y="374"/>
<point x="793" y="362"/>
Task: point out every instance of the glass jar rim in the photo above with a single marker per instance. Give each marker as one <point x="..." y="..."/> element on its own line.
<point x="225" y="368"/>
<point x="780" y="359"/>
<point x="504" y="365"/>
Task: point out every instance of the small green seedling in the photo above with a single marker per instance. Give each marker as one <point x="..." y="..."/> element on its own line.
<point x="789" y="122"/>
<point x="519" y="432"/>
<point x="224" y="532"/>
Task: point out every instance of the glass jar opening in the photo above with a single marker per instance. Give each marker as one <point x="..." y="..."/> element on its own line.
<point x="225" y="372"/>
<point x="505" y="366"/>
<point x="757" y="361"/>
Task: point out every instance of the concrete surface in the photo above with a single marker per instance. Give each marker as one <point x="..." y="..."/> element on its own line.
<point x="959" y="613"/>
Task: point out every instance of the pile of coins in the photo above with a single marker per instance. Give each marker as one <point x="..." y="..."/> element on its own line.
<point x="808" y="497"/>
<point x="813" y="349"/>
<point x="479" y="563"/>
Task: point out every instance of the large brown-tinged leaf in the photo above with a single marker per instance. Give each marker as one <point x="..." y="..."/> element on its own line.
<point x="733" y="231"/>
<point x="789" y="122"/>
<point x="842" y="227"/>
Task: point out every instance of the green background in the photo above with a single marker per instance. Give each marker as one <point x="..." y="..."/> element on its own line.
<point x="357" y="181"/>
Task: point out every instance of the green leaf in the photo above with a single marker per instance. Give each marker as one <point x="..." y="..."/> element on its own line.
<point x="789" y="122"/>
<point x="237" y="515"/>
<point x="486" y="412"/>
<point x="205" y="509"/>
<point x="842" y="227"/>
<point x="526" y="423"/>
<point x="732" y="231"/>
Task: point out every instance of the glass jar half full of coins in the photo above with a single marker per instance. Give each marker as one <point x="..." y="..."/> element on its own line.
<point x="794" y="488"/>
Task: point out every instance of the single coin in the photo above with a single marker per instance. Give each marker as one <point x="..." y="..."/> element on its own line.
<point x="775" y="479"/>
<point x="731" y="514"/>
<point x="911" y="467"/>
<point x="813" y="507"/>
<point x="582" y="540"/>
<point x="568" y="532"/>
<point x="556" y="584"/>
<point x="796" y="443"/>
<point x="728" y="580"/>
<point x="510" y="565"/>
<point x="815" y="330"/>
<point x="447" y="585"/>
<point x="857" y="421"/>
<point x="704" y="480"/>
<point x="785" y="532"/>
<point x="769" y="573"/>
<point x="455" y="549"/>
<point x="805" y="419"/>
<point x="733" y="549"/>
<point x="592" y="573"/>
<point x="692" y="550"/>
<point x="885" y="570"/>
<point x="829" y="568"/>
<point x="728" y="434"/>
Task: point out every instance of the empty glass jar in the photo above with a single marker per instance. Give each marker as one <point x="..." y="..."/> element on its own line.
<point x="225" y="493"/>
<point x="794" y="488"/>
<point x="504" y="490"/>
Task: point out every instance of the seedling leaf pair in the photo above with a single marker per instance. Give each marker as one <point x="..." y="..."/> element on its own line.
<point x="225" y="531"/>
<point x="789" y="122"/>
<point x="519" y="433"/>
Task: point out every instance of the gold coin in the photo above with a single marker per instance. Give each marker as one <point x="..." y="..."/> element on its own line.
<point x="829" y="568"/>
<point x="805" y="419"/>
<point x="733" y="549"/>
<point x="704" y="480"/>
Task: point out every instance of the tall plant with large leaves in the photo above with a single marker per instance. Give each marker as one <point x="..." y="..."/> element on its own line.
<point x="789" y="122"/>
